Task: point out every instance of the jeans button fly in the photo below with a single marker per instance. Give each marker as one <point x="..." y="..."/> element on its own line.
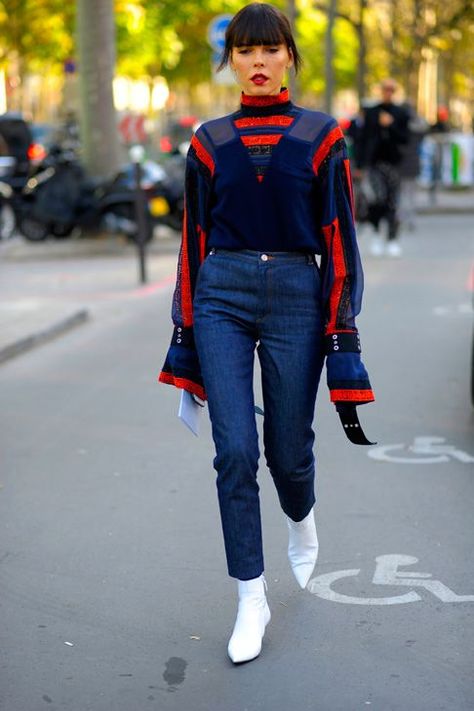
<point x="264" y="257"/>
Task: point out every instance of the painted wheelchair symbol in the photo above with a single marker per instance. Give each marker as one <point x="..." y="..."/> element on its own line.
<point x="428" y="450"/>
<point x="386" y="573"/>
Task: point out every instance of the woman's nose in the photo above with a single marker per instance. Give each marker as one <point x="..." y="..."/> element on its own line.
<point x="259" y="59"/>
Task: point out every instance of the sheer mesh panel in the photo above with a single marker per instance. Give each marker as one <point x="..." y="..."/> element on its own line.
<point x="350" y="303"/>
<point x="219" y="131"/>
<point x="197" y="185"/>
<point x="176" y="314"/>
<point x="309" y="126"/>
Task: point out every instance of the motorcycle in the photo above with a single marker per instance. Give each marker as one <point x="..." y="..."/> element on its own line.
<point x="164" y="189"/>
<point x="7" y="214"/>
<point x="59" y="198"/>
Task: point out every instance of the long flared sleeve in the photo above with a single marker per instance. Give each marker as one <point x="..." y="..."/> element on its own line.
<point x="181" y="367"/>
<point x="347" y="377"/>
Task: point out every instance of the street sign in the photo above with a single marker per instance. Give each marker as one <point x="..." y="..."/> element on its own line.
<point x="216" y="37"/>
<point x="216" y="31"/>
<point x="132" y="128"/>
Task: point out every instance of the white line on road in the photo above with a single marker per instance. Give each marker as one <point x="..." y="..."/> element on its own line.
<point x="386" y="573"/>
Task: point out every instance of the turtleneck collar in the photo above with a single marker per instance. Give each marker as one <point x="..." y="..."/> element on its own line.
<point x="271" y="100"/>
<point x="252" y="106"/>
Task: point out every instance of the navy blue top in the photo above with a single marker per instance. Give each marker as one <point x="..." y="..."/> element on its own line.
<point x="273" y="177"/>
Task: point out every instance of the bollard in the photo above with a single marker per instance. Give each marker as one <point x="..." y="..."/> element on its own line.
<point x="137" y="154"/>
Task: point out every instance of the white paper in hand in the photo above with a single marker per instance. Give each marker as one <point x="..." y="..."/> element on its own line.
<point x="189" y="412"/>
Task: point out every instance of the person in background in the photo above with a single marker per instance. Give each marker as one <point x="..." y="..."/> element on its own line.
<point x="384" y="132"/>
<point x="268" y="187"/>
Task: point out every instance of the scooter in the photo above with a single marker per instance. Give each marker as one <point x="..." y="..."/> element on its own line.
<point x="60" y="198"/>
<point x="163" y="185"/>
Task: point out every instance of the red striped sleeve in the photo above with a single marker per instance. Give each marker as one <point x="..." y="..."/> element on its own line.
<point x="352" y="395"/>
<point x="203" y="155"/>
<point x="186" y="298"/>
<point x="183" y="383"/>
<point x="333" y="238"/>
<point x="347" y="170"/>
<point x="202" y="243"/>
<point x="326" y="145"/>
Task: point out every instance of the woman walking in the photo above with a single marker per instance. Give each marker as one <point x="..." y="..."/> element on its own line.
<point x="267" y="189"/>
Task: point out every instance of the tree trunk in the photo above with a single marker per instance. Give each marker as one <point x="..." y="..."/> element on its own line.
<point x="96" y="49"/>
<point x="392" y="48"/>
<point x="361" y="53"/>
<point x="329" y="57"/>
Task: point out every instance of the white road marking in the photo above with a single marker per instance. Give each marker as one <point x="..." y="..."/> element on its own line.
<point x="386" y="573"/>
<point x="432" y="450"/>
<point x="459" y="310"/>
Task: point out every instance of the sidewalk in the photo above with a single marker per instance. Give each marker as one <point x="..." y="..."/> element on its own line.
<point x="456" y="201"/>
<point x="51" y="287"/>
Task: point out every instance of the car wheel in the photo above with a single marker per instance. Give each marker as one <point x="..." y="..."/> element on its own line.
<point x="7" y="221"/>
<point x="32" y="229"/>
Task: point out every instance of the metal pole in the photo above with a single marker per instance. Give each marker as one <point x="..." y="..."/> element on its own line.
<point x="136" y="154"/>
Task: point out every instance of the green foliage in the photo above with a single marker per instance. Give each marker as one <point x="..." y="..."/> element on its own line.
<point x="36" y="33"/>
<point x="311" y="29"/>
<point x="147" y="41"/>
<point x="169" y="38"/>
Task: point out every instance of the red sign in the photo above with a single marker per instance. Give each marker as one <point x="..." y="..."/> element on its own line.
<point x="132" y="129"/>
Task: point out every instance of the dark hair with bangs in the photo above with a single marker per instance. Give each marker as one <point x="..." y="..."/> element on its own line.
<point x="256" y="24"/>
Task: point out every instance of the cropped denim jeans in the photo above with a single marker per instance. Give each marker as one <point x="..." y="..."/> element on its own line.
<point x="269" y="302"/>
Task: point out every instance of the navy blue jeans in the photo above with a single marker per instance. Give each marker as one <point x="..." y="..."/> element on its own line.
<point x="271" y="302"/>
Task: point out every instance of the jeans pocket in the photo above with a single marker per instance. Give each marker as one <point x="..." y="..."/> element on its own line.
<point x="203" y="269"/>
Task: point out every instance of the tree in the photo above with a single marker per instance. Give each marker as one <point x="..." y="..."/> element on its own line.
<point x="329" y="56"/>
<point x="96" y="51"/>
<point x="36" y="35"/>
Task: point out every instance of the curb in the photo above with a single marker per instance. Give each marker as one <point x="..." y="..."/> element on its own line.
<point x="445" y="210"/>
<point x="48" y="334"/>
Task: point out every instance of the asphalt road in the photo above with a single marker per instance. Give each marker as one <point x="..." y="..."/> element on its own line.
<point x="113" y="590"/>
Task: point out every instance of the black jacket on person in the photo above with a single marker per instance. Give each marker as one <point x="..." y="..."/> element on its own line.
<point x="381" y="144"/>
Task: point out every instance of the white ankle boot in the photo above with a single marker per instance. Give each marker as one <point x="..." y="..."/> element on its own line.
<point x="303" y="547"/>
<point x="253" y="616"/>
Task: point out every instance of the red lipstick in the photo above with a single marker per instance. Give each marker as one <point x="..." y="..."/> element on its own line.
<point x="259" y="79"/>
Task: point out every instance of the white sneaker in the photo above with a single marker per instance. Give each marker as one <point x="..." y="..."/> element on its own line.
<point x="303" y="547"/>
<point x="377" y="246"/>
<point x="253" y="616"/>
<point x="393" y="248"/>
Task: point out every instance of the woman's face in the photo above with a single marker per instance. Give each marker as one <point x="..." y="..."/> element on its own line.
<point x="260" y="69"/>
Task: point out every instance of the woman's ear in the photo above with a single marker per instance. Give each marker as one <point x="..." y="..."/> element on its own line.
<point x="290" y="58"/>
